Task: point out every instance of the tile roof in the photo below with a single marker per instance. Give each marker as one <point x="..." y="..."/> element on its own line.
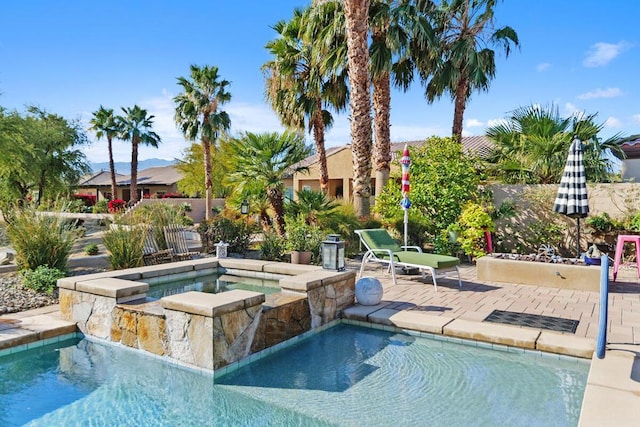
<point x="160" y="175"/>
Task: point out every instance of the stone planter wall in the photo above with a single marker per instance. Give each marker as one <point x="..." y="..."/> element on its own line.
<point x="564" y="276"/>
<point x="208" y="331"/>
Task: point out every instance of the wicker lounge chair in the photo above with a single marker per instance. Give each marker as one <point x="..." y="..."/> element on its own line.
<point x="381" y="248"/>
<point x="177" y="242"/>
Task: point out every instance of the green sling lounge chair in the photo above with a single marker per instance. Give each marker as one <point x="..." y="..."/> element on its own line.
<point x="381" y="248"/>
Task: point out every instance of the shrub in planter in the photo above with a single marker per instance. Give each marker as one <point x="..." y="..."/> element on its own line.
<point x="303" y="237"/>
<point x="42" y="279"/>
<point x="272" y="247"/>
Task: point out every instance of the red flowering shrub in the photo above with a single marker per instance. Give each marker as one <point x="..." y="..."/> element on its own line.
<point x="88" y="199"/>
<point x="116" y="205"/>
<point x="173" y="196"/>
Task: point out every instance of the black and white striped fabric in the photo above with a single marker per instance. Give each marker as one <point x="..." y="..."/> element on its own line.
<point x="572" y="195"/>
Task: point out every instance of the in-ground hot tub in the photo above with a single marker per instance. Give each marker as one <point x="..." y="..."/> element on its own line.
<point x="203" y="329"/>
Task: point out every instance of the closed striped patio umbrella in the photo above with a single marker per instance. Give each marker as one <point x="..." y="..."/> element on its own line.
<point x="572" y="196"/>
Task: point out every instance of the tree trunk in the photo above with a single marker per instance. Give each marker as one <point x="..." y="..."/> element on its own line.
<point x="206" y="148"/>
<point x="318" y="136"/>
<point x="460" y="105"/>
<point x="356" y="14"/>
<point x="277" y="203"/>
<point x="382" y="141"/>
<point x="134" y="172"/>
<point x="112" y="171"/>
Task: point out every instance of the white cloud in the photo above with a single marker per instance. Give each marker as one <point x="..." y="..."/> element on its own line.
<point x="612" y="122"/>
<point x="496" y="122"/>
<point x="571" y="109"/>
<point x="543" y="67"/>
<point x="611" y="92"/>
<point x="636" y="118"/>
<point x="473" y="123"/>
<point x="600" y="54"/>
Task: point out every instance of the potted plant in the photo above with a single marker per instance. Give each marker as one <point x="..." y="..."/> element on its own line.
<point x="303" y="240"/>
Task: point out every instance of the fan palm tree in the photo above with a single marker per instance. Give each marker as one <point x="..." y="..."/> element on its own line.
<point x="104" y="124"/>
<point x="198" y="114"/>
<point x="356" y="14"/>
<point x="298" y="87"/>
<point x="135" y="126"/>
<point x="531" y="146"/>
<point x="260" y="163"/>
<point x="464" y="62"/>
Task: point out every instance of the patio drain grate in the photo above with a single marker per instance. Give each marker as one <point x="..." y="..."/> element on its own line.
<point x="533" y="321"/>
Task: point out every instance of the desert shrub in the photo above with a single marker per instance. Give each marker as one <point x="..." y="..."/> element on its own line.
<point x="470" y="228"/>
<point x="272" y="247"/>
<point x="91" y="249"/>
<point x="41" y="239"/>
<point x="42" y="279"/>
<point x="600" y="223"/>
<point x="634" y="223"/>
<point x="125" y="244"/>
<point x="101" y="206"/>
<point x="235" y="232"/>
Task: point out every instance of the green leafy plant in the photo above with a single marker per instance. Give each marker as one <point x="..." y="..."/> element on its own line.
<point x="473" y="223"/>
<point x="272" y="247"/>
<point x="235" y="232"/>
<point x="42" y="279"/>
<point x="125" y="244"/>
<point x="101" y="206"/>
<point x="634" y="223"/>
<point x="40" y="239"/>
<point x="600" y="223"/>
<point x="91" y="249"/>
<point x="303" y="237"/>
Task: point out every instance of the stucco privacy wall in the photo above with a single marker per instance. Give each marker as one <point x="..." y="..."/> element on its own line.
<point x="619" y="200"/>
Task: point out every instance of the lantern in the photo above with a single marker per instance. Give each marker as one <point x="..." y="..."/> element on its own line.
<point x="244" y="207"/>
<point x="221" y="249"/>
<point x="333" y="253"/>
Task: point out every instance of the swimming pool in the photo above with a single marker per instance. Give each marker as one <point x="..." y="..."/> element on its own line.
<point x="346" y="375"/>
<point x="212" y="283"/>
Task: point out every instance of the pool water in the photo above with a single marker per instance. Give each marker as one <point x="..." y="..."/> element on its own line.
<point x="346" y="376"/>
<point x="213" y="284"/>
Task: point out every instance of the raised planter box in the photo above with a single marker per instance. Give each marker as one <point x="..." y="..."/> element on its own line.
<point x="563" y="276"/>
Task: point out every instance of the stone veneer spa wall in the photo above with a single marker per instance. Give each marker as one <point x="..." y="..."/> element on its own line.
<point x="205" y="330"/>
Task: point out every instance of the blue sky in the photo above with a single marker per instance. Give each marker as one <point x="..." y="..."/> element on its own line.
<point x="72" y="56"/>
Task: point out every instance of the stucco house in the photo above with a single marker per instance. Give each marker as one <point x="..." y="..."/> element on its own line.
<point x="340" y="167"/>
<point x="153" y="182"/>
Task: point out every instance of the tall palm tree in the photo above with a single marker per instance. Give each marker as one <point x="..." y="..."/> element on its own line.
<point x="104" y="124"/>
<point x="198" y="114"/>
<point x="135" y="126"/>
<point x="464" y="62"/>
<point x="260" y="162"/>
<point x="297" y="85"/>
<point x="356" y="13"/>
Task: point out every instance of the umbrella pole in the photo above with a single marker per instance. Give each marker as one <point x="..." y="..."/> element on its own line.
<point x="406" y="226"/>
<point x="578" y="240"/>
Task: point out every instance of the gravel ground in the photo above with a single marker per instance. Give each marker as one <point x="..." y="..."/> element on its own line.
<point x="15" y="297"/>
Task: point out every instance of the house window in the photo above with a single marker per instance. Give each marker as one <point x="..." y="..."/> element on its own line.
<point x="306" y="188"/>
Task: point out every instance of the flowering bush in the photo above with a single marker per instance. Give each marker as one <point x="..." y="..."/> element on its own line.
<point x="88" y="199"/>
<point x="173" y="196"/>
<point x="116" y="205"/>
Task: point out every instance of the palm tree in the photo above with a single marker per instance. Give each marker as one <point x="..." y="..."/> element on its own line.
<point x="198" y="114"/>
<point x="297" y="85"/>
<point x="531" y="146"/>
<point x="464" y="63"/>
<point x="260" y="162"/>
<point x="135" y="126"/>
<point x="104" y="124"/>
<point x="356" y="15"/>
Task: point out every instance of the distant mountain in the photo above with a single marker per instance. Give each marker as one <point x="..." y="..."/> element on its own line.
<point x="125" y="167"/>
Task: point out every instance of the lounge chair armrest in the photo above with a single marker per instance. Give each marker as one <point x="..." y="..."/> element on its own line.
<point x="416" y="248"/>
<point x="382" y="251"/>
